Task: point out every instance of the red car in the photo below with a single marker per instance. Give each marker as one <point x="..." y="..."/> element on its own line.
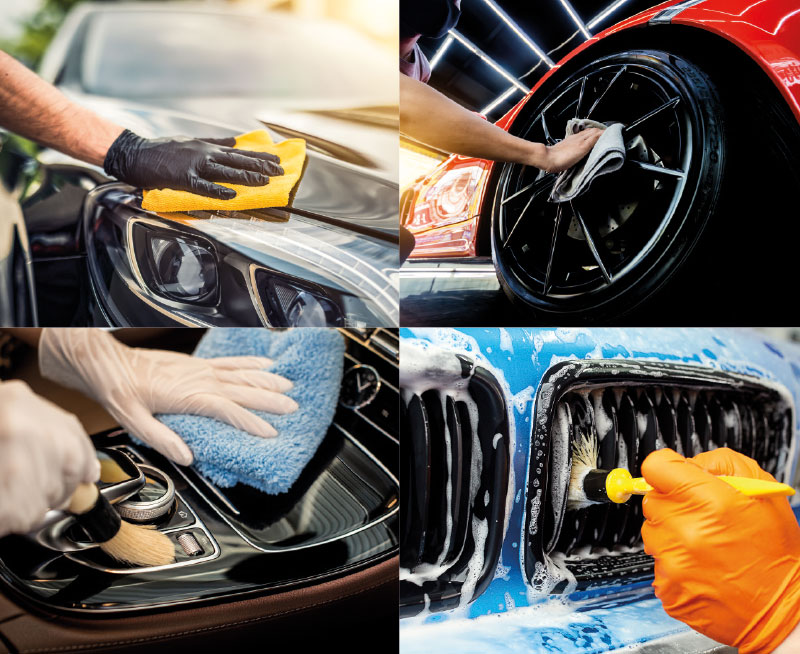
<point x="709" y="93"/>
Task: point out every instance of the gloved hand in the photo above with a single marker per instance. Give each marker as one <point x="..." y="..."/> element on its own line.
<point x="134" y="383"/>
<point x="44" y="454"/>
<point x="726" y="564"/>
<point x="186" y="164"/>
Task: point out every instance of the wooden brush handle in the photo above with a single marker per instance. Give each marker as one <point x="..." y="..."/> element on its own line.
<point x="83" y="499"/>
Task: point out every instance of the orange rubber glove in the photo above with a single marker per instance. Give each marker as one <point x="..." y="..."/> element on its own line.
<point x="727" y="565"/>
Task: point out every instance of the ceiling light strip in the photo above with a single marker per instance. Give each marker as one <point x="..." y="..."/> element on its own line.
<point x="440" y="52"/>
<point x="605" y="14"/>
<point x="499" y="100"/>
<point x="487" y="59"/>
<point x="518" y="31"/>
<point x="575" y="18"/>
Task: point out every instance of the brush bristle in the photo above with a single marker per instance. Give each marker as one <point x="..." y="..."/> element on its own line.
<point x="140" y="545"/>
<point x="584" y="459"/>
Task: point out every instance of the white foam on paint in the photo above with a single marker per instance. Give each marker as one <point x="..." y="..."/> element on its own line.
<point x="523" y="397"/>
<point x="505" y="341"/>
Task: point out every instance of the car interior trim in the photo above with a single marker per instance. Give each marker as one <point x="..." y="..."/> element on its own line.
<point x="393" y="511"/>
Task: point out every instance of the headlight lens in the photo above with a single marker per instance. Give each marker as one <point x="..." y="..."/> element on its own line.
<point x="296" y="305"/>
<point x="176" y="266"/>
<point x="183" y="270"/>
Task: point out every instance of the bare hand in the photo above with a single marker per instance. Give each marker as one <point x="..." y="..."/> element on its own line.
<point x="571" y="150"/>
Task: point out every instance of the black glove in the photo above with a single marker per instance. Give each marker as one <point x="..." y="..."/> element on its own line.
<point x="188" y="164"/>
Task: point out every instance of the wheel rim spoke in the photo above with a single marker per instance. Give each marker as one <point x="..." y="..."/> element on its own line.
<point x="603" y="94"/>
<point x="669" y="104"/>
<point x="556" y="225"/>
<point x="580" y="97"/>
<point x="590" y="242"/>
<point x="550" y="139"/>
<point x="658" y="170"/>
<point x="537" y="185"/>
<point x="519" y="220"/>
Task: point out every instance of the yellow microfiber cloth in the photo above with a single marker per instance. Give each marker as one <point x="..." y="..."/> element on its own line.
<point x="275" y="194"/>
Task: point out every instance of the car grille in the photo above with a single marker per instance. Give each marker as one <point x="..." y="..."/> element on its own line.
<point x="455" y="477"/>
<point x="632" y="409"/>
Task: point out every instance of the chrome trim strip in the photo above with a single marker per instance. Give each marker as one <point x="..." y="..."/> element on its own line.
<point x="665" y="17"/>
<point x="367" y="345"/>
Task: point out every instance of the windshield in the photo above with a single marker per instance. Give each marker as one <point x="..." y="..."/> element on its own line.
<point x="140" y="54"/>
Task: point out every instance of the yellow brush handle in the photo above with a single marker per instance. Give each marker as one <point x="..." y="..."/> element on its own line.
<point x="620" y="485"/>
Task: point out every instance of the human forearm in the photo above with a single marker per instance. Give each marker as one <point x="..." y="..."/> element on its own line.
<point x="31" y="107"/>
<point x="430" y="117"/>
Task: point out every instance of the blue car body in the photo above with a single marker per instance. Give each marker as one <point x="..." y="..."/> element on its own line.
<point x="502" y="618"/>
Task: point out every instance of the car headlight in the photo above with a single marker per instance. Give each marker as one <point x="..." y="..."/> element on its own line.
<point x="178" y="267"/>
<point x="297" y="304"/>
<point x="226" y="272"/>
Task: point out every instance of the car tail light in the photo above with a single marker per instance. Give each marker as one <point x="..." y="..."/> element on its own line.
<point x="449" y="195"/>
<point x="632" y="409"/>
<point x="455" y="471"/>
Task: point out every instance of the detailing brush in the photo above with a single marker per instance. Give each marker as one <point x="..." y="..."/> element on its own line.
<point x="137" y="545"/>
<point x="588" y="485"/>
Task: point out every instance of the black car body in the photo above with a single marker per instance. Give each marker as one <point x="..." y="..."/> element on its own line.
<point x="77" y="249"/>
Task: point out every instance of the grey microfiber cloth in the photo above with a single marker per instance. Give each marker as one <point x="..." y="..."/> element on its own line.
<point x="607" y="155"/>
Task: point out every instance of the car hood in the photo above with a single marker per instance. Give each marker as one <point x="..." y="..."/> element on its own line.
<point x="341" y="184"/>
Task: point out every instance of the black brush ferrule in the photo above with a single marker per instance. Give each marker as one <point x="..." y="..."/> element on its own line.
<point x="594" y="486"/>
<point x="102" y="522"/>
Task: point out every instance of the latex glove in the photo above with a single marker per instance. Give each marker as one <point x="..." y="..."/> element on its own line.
<point x="44" y="454"/>
<point x="134" y="383"/>
<point x="188" y="164"/>
<point x="726" y="564"/>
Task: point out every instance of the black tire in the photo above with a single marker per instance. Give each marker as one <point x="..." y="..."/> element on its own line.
<point x="643" y="221"/>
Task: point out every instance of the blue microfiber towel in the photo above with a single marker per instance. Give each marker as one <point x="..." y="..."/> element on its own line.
<point x="312" y="358"/>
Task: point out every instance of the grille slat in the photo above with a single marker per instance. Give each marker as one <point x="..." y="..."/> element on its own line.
<point x="455" y="453"/>
<point x="633" y="411"/>
<point x="416" y="481"/>
<point x="461" y="452"/>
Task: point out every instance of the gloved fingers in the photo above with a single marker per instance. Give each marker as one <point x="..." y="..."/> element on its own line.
<point x="157" y="435"/>
<point x="228" y="141"/>
<point x="259" y="162"/>
<point x="258" y="399"/>
<point x="667" y="471"/>
<point x="257" y="378"/>
<point x="203" y="187"/>
<point x="221" y="408"/>
<point x="725" y="461"/>
<point x="215" y="172"/>
<point x="235" y="363"/>
<point x="671" y="474"/>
